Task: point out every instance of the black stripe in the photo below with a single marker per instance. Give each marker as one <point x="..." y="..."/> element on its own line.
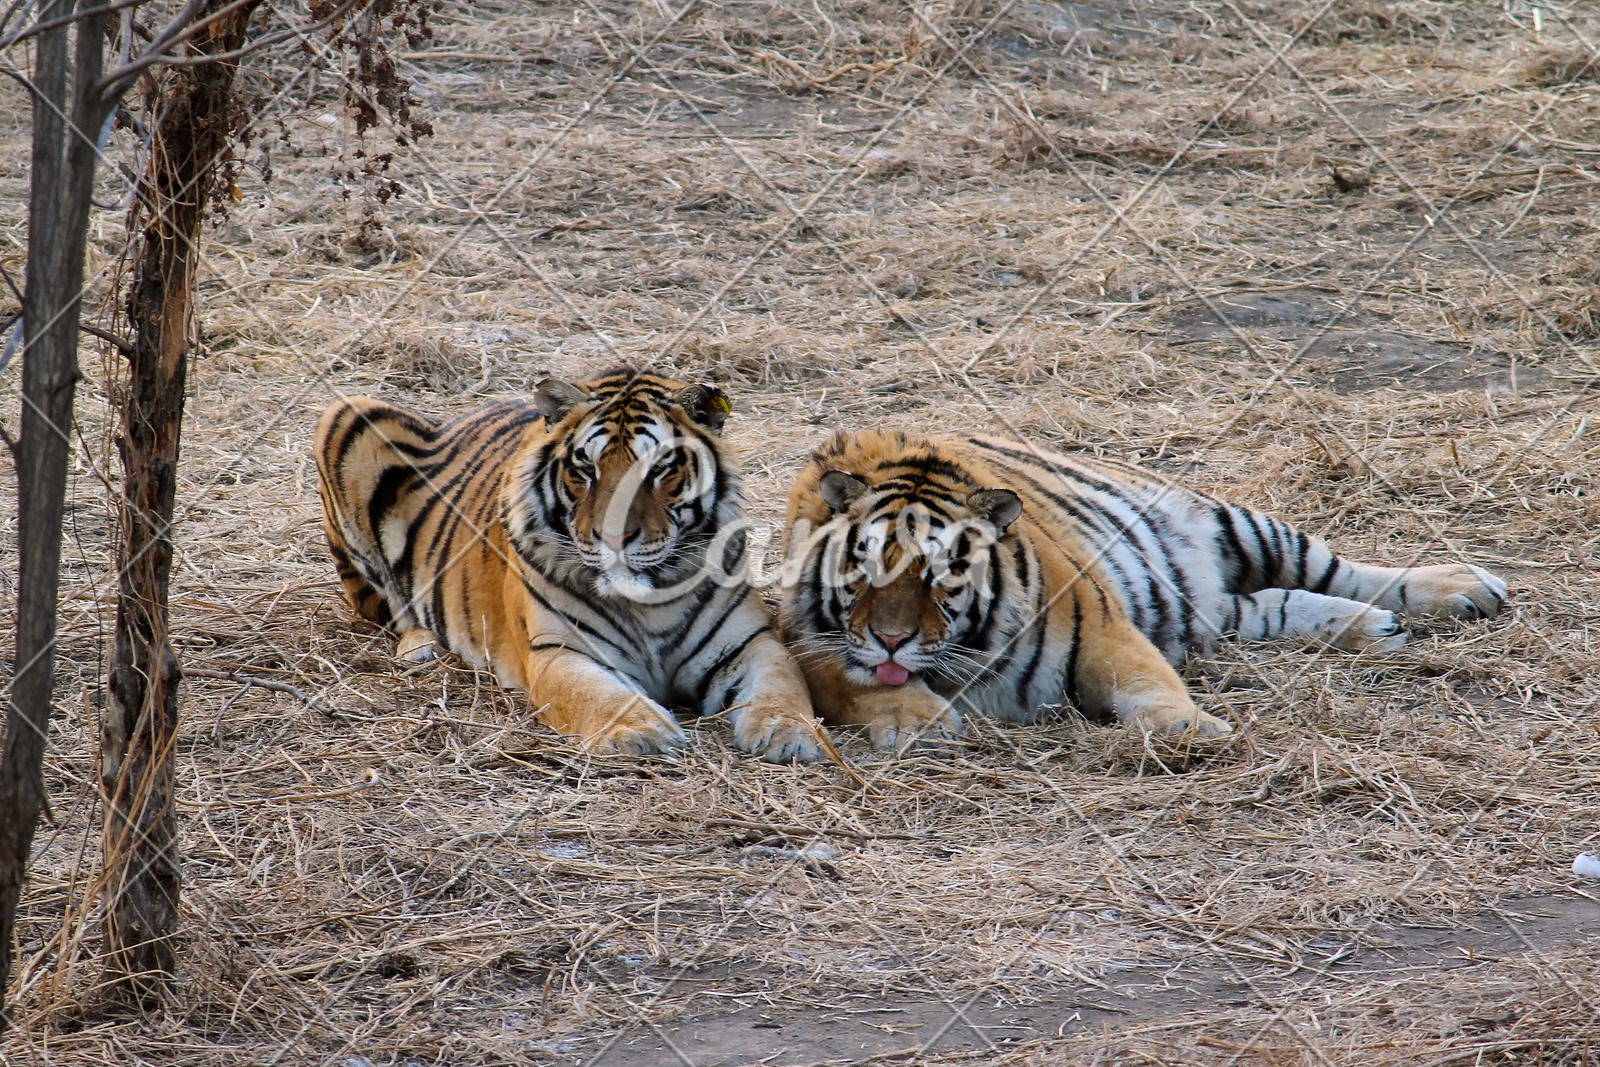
<point x="1019" y="555"/>
<point x="722" y="663"/>
<point x="685" y="621"/>
<point x="1233" y="552"/>
<point x="1071" y="670"/>
<point x="370" y="421"/>
<point x="715" y="627"/>
<point x="383" y="498"/>
<point x="1269" y="562"/>
<point x="1280" y="550"/>
<point x="1026" y="682"/>
<point x="1321" y="584"/>
<point x="927" y="465"/>
<point x="579" y="624"/>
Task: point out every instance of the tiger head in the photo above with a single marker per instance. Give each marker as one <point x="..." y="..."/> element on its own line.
<point x="630" y="483"/>
<point x="900" y="578"/>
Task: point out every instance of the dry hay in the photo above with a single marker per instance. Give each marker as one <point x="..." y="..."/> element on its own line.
<point x="1048" y="244"/>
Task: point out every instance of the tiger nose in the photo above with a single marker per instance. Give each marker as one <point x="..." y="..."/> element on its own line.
<point x="894" y="640"/>
<point x="616" y="543"/>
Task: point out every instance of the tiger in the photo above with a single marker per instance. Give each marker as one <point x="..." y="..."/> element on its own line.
<point x="931" y="576"/>
<point x="566" y="544"/>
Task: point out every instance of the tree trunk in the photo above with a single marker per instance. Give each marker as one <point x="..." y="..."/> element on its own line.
<point x="61" y="182"/>
<point x="193" y="106"/>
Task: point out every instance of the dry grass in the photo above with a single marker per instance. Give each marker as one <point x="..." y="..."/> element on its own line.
<point x="1028" y="245"/>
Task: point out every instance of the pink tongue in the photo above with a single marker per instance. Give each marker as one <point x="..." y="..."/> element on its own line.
<point x="892" y="674"/>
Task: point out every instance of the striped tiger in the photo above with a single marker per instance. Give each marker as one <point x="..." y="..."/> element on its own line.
<point x="932" y="576"/>
<point x="563" y="544"/>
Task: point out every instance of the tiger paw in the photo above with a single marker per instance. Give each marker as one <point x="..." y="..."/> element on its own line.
<point x="904" y="718"/>
<point x="644" y="728"/>
<point x="416" y="646"/>
<point x="1452" y="590"/>
<point x="1173" y="722"/>
<point x="1355" y="627"/>
<point x="776" y="734"/>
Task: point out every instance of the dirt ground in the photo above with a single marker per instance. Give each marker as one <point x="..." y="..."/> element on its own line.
<point x="1335" y="260"/>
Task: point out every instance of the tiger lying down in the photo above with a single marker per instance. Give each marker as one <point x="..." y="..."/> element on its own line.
<point x="936" y="576"/>
<point x="563" y="544"/>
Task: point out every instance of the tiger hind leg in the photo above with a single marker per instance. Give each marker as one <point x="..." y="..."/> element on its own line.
<point x="1279" y="614"/>
<point x="1270" y="553"/>
<point x="1449" y="590"/>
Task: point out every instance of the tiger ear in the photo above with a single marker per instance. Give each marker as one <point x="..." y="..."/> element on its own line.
<point x="705" y="404"/>
<point x="555" y="398"/>
<point x="840" y="489"/>
<point x="999" y="507"/>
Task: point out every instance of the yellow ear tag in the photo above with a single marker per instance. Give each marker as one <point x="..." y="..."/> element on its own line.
<point x="722" y="405"/>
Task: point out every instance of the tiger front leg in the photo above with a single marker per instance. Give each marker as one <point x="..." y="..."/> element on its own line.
<point x="581" y="698"/>
<point x="1120" y="671"/>
<point x="771" y="709"/>
<point x="897" y="717"/>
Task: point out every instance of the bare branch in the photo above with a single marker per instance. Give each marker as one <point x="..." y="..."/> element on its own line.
<point x="124" y="346"/>
<point x="10" y="282"/>
<point x="65" y="20"/>
<point x="275" y="38"/>
<point x="157" y="54"/>
<point x="114" y="83"/>
<point x="266" y="683"/>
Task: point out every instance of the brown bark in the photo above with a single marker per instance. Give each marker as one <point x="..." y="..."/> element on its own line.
<point x="60" y="185"/>
<point x="139" y="730"/>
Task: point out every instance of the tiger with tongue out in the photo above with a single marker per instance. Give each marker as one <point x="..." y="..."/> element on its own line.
<point x="937" y="574"/>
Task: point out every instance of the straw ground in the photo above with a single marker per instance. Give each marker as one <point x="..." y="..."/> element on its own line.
<point x="1355" y="287"/>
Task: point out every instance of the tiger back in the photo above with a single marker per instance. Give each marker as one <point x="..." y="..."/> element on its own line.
<point x="932" y="577"/>
<point x="566" y="543"/>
